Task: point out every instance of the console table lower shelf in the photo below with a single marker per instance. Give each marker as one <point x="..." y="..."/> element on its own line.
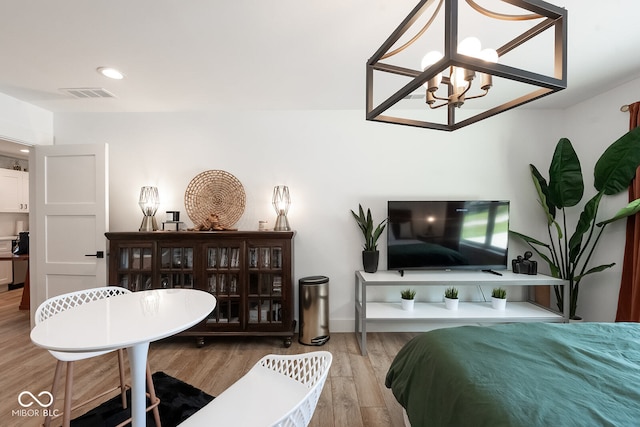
<point x="468" y="312"/>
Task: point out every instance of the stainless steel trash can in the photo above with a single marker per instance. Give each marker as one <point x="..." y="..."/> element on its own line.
<point x="314" y="310"/>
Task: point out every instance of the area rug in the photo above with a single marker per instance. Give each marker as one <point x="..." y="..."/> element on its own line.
<point x="178" y="401"/>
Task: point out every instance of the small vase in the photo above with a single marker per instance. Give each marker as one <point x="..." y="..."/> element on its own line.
<point x="498" y="303"/>
<point x="370" y="261"/>
<point x="407" y="304"/>
<point x="451" y="303"/>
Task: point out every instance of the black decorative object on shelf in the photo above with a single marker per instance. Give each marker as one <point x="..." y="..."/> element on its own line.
<point x="524" y="265"/>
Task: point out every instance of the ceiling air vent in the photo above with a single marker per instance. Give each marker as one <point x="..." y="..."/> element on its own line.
<point x="88" y="92"/>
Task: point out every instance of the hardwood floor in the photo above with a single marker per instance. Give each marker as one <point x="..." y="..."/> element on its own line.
<point x="354" y="394"/>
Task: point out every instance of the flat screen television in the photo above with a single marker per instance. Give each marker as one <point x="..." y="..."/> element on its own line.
<point x="468" y="234"/>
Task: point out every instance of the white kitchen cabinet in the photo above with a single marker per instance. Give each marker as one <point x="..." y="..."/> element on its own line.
<point x="14" y="191"/>
<point x="6" y="274"/>
<point x="6" y="267"/>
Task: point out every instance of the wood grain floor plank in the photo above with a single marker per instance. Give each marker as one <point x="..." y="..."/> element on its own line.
<point x="324" y="415"/>
<point x="381" y="360"/>
<point x="376" y="417"/>
<point x="354" y="394"/>
<point x="346" y="410"/>
<point x="365" y="381"/>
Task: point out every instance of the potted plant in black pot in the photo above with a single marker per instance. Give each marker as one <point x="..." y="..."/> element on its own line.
<point x="370" y="254"/>
<point x="568" y="254"/>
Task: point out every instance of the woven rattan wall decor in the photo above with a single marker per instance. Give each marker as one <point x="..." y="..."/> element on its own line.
<point x="215" y="192"/>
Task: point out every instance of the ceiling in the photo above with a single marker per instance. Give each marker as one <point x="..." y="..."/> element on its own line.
<point x="260" y="54"/>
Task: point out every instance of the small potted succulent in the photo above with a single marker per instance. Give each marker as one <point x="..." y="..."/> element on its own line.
<point x="451" y="298"/>
<point x="408" y="296"/>
<point x="499" y="298"/>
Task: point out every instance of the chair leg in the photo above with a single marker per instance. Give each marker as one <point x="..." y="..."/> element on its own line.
<point x="123" y="386"/>
<point x="153" y="399"/>
<point x="66" y="416"/>
<point x="54" y="389"/>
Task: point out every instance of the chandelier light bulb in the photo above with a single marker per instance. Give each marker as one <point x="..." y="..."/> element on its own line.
<point x="489" y="55"/>
<point x="458" y="79"/>
<point x="428" y="60"/>
<point x="470" y="46"/>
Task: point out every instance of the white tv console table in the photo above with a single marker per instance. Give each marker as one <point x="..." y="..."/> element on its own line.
<point x="468" y="312"/>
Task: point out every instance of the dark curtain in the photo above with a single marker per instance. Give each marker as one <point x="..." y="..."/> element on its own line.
<point x="629" y="297"/>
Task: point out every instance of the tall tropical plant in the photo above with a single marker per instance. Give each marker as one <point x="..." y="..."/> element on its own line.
<point x="568" y="256"/>
<point x="371" y="234"/>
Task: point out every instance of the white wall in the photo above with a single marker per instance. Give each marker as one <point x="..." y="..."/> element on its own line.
<point x="331" y="161"/>
<point x="592" y="126"/>
<point x="25" y="123"/>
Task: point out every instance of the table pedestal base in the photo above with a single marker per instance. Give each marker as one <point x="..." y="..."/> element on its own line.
<point x="138" y="363"/>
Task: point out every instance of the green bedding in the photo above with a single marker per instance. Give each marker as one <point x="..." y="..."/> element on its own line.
<point x="526" y="374"/>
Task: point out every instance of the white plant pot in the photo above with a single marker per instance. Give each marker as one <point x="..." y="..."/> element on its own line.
<point x="498" y="303"/>
<point x="451" y="303"/>
<point x="407" y="304"/>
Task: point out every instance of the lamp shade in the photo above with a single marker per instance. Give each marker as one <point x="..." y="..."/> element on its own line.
<point x="281" y="202"/>
<point x="149" y="202"/>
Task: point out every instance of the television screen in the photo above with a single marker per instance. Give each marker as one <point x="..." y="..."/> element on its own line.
<point x="447" y="234"/>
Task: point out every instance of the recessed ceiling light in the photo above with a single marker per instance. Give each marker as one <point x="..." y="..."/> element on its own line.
<point x="24" y="150"/>
<point x="112" y="73"/>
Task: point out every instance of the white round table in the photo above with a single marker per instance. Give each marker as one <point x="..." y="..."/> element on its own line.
<point x="128" y="321"/>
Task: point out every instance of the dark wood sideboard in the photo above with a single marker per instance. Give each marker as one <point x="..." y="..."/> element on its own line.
<point x="249" y="272"/>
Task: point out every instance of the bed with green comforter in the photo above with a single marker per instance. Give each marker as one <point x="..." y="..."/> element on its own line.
<point x="521" y="375"/>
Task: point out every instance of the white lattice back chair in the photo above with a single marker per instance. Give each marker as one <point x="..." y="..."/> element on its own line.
<point x="310" y="369"/>
<point x="61" y="303"/>
<point x="279" y="390"/>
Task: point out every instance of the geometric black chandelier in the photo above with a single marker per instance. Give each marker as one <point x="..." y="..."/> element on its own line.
<point x="436" y="71"/>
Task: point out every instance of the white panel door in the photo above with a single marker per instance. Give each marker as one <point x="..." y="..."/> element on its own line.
<point x="6" y="274"/>
<point x="69" y="219"/>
